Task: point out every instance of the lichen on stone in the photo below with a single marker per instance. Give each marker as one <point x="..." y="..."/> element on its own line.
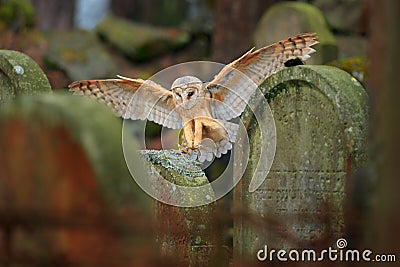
<point x="20" y="75"/>
<point x="176" y="161"/>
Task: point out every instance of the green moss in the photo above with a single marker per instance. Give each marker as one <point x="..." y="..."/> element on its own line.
<point x="177" y="164"/>
<point x="349" y="98"/>
<point x="139" y="41"/>
<point x="273" y="93"/>
<point x="355" y="66"/>
<point x="17" y="13"/>
<point x="178" y="169"/>
<point x="320" y="114"/>
<point x="94" y="127"/>
<point x="80" y="55"/>
<point x="20" y="75"/>
<point x="73" y="55"/>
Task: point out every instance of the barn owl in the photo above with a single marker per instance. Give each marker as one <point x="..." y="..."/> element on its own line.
<point x="202" y="109"/>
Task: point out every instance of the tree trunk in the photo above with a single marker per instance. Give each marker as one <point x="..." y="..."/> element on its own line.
<point x="54" y="15"/>
<point x="235" y="22"/>
<point x="384" y="83"/>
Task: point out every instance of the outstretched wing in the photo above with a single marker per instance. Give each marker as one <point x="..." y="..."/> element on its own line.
<point x="133" y="99"/>
<point x="236" y="82"/>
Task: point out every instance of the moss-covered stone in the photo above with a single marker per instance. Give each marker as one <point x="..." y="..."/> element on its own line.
<point x="179" y="169"/>
<point x="184" y="233"/>
<point x="17" y="14"/>
<point x="285" y="19"/>
<point x="355" y="66"/>
<point x="178" y="163"/>
<point x="80" y="55"/>
<point x="139" y="41"/>
<point x="93" y="126"/>
<point x="66" y="188"/>
<point x="320" y="114"/>
<point x="20" y="75"/>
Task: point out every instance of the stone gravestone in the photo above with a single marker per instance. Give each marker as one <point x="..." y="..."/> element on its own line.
<point x="188" y="234"/>
<point x="320" y="115"/>
<point x="20" y="75"/>
<point x="67" y="198"/>
<point x="286" y="19"/>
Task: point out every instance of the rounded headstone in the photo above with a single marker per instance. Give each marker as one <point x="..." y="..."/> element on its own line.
<point x="20" y="75"/>
<point x="286" y="19"/>
<point x="80" y="55"/>
<point x="65" y="188"/>
<point x="140" y="41"/>
<point x="320" y="114"/>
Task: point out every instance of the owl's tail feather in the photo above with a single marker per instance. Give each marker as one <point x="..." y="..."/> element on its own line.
<point x="210" y="148"/>
<point x="224" y="145"/>
<point x="231" y="128"/>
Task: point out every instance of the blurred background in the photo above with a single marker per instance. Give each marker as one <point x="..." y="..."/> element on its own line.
<point x="85" y="39"/>
<point x="89" y="39"/>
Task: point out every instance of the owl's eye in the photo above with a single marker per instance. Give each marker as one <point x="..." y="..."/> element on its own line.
<point x="190" y="94"/>
<point x="178" y="94"/>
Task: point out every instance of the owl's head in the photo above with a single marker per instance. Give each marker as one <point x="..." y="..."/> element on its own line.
<point x="186" y="90"/>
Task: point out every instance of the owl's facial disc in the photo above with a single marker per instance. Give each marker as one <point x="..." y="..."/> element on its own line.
<point x="186" y="90"/>
<point x="186" y="97"/>
<point x="185" y="81"/>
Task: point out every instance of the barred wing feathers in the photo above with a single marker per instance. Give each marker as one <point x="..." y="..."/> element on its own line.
<point x="133" y="99"/>
<point x="236" y="82"/>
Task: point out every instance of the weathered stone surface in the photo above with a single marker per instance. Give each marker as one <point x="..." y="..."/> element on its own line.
<point x="140" y="41"/>
<point x="20" y="75"/>
<point x="185" y="233"/>
<point x="321" y="118"/>
<point x="67" y="195"/>
<point x="290" y="18"/>
<point x="80" y="55"/>
<point x="99" y="135"/>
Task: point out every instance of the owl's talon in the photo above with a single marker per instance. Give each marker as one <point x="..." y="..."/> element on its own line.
<point x="183" y="149"/>
<point x="196" y="146"/>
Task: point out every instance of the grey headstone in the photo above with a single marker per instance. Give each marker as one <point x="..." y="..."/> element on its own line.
<point x="20" y="75"/>
<point x="320" y="114"/>
<point x="140" y="41"/>
<point x="184" y="233"/>
<point x="80" y="55"/>
<point x="285" y="19"/>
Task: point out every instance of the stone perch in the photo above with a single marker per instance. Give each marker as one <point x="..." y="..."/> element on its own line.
<point x="320" y="115"/>
<point x="184" y="233"/>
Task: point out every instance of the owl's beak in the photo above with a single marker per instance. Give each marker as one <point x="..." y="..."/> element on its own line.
<point x="187" y="103"/>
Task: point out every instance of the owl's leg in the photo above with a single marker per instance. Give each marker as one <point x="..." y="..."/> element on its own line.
<point x="198" y="133"/>
<point x="188" y="133"/>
